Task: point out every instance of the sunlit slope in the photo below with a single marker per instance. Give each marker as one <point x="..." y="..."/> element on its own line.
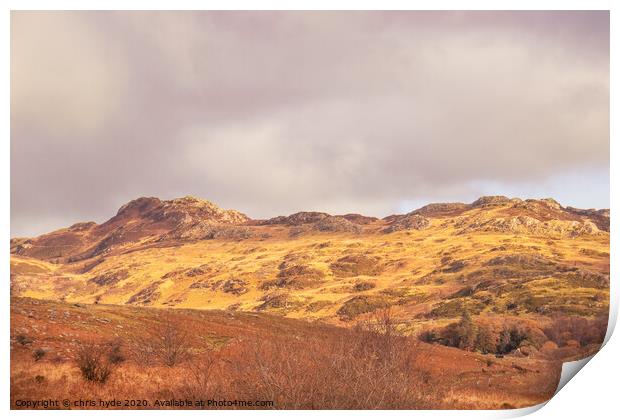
<point x="495" y="257"/>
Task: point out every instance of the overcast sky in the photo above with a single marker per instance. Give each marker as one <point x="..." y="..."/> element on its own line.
<point x="276" y="112"/>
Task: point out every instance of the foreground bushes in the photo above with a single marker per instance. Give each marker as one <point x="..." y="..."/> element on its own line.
<point x="93" y="364"/>
<point x="368" y="367"/>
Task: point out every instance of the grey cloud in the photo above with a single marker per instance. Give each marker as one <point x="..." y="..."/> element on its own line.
<point x="273" y="112"/>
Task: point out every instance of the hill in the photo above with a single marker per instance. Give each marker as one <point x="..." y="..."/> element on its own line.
<point x="494" y="256"/>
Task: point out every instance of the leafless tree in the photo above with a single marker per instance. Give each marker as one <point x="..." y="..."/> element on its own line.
<point x="167" y="343"/>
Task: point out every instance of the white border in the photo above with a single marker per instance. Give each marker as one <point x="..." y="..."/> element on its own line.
<point x="593" y="394"/>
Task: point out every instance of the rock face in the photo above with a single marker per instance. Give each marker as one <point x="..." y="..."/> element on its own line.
<point x="296" y="219"/>
<point x="359" y="219"/>
<point x="530" y="225"/>
<point x="108" y="279"/>
<point x="599" y="217"/>
<point x="208" y="230"/>
<point x="185" y="218"/>
<point x="180" y="211"/>
<point x="408" y="222"/>
<point x="442" y="209"/>
<point x="308" y="222"/>
<point x="336" y="224"/>
<point x="545" y="217"/>
<point x="491" y="200"/>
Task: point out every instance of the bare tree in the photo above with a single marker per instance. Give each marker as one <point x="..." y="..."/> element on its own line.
<point x="166" y="343"/>
<point x="171" y="343"/>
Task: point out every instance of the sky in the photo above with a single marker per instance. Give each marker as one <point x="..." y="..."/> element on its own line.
<point x="271" y="113"/>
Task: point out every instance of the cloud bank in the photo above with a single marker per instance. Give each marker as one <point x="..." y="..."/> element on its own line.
<point x="275" y="112"/>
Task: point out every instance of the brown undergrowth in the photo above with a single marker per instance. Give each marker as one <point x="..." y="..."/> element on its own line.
<point x="151" y="354"/>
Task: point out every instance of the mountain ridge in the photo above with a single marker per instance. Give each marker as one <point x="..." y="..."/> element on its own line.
<point x="189" y="219"/>
<point x="524" y="268"/>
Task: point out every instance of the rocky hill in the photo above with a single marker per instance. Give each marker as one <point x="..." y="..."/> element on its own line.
<point x="140" y="220"/>
<point x="496" y="259"/>
<point x="149" y="220"/>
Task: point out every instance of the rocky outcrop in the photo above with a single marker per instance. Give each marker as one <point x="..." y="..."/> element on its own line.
<point x="336" y="224"/>
<point x="308" y="222"/>
<point x="599" y="217"/>
<point x="408" y="222"/>
<point x="180" y="211"/>
<point x="294" y="276"/>
<point x="296" y="219"/>
<point x="208" y="230"/>
<point x="491" y="201"/>
<point x="528" y="225"/>
<point x="110" y="278"/>
<point x="186" y="218"/>
<point x="359" y="219"/>
<point x="235" y="286"/>
<point x="442" y="209"/>
<point x="147" y="295"/>
<point x="81" y="227"/>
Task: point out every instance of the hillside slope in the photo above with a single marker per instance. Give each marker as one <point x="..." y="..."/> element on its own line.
<point x="502" y="261"/>
<point x="229" y="350"/>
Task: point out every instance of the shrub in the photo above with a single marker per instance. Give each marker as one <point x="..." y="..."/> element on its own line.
<point x="510" y="339"/>
<point x="566" y="328"/>
<point x="278" y="301"/>
<point x="206" y="377"/>
<point x="38" y="354"/>
<point x="167" y="344"/>
<point x="356" y="265"/>
<point x="485" y="341"/>
<point x="362" y="286"/>
<point x="172" y="344"/>
<point x="23" y="340"/>
<point x="466" y="332"/>
<point x="429" y="336"/>
<point x="318" y="305"/>
<point x="467" y="335"/>
<point x="143" y="349"/>
<point x="461" y="334"/>
<point x="455" y="307"/>
<point x="115" y="353"/>
<point x="360" y="305"/>
<point x="92" y="364"/>
<point x="368" y="367"/>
